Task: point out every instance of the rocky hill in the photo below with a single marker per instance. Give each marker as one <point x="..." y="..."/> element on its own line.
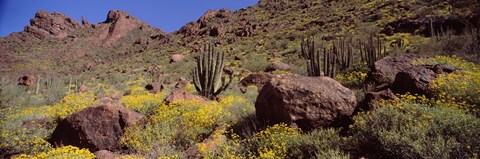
<point x="398" y="79"/>
<point x="56" y="44"/>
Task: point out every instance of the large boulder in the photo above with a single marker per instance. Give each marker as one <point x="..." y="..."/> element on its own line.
<point x="415" y="80"/>
<point x="96" y="128"/>
<point x="306" y="102"/>
<point x="385" y="69"/>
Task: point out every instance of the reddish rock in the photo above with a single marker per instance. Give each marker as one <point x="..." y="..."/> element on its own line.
<point x="306" y="102"/>
<point x="385" y="69"/>
<point x="84" y="88"/>
<point x="176" y="58"/>
<point x="28" y="81"/>
<point x="277" y="65"/>
<point x="155" y="87"/>
<point x="415" y="80"/>
<point x="95" y="128"/>
<point x="105" y="154"/>
<point x="373" y="98"/>
<point x="257" y="79"/>
<point x="141" y="41"/>
<point x="183" y="95"/>
<point x="85" y="22"/>
<point x="237" y="57"/>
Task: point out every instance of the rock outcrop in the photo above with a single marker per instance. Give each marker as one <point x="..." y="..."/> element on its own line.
<point x="307" y="102"/>
<point x="96" y="128"/>
<point x="54" y="25"/>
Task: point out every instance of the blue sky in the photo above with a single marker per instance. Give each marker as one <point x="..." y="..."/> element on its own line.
<point x="168" y="15"/>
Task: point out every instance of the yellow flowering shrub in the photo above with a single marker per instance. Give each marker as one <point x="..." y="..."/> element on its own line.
<point x="142" y="101"/>
<point x="65" y="152"/>
<point x="352" y="79"/>
<point x="16" y="137"/>
<point x="73" y="103"/>
<point x="183" y="123"/>
<point x="272" y="142"/>
<point x="461" y="86"/>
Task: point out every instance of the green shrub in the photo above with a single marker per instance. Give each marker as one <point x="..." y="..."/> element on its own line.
<point x="414" y="127"/>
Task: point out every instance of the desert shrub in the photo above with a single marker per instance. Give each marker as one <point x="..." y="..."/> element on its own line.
<point x="417" y="127"/>
<point x="255" y="62"/>
<point x="142" y="101"/>
<point x="352" y="79"/>
<point x="61" y="152"/>
<point x="12" y="94"/>
<point x="282" y="141"/>
<point x="272" y="142"/>
<point x="459" y="86"/>
<point x="16" y="137"/>
<point x="320" y="143"/>
<point x="180" y="124"/>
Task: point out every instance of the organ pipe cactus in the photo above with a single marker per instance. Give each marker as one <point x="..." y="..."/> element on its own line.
<point x="314" y="58"/>
<point x="207" y="75"/>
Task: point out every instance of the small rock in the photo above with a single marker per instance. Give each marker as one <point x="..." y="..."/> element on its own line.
<point x="177" y="58"/>
<point x="28" y="81"/>
<point x="84" y="88"/>
<point x="105" y="154"/>
<point x="277" y="65"/>
<point x="183" y="95"/>
<point x="237" y="57"/>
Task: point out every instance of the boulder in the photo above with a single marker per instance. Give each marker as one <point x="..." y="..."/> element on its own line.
<point x="183" y="95"/>
<point x="176" y="58"/>
<point x="28" y="81"/>
<point x="257" y="79"/>
<point x="105" y="154"/>
<point x="96" y="128"/>
<point x="155" y="87"/>
<point x="415" y="80"/>
<point x="84" y="88"/>
<point x="373" y="98"/>
<point x="385" y="69"/>
<point x="305" y="102"/>
<point x="141" y="41"/>
<point x="277" y="65"/>
<point x="239" y="58"/>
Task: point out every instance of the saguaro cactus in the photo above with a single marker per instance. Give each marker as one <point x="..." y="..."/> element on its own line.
<point x="207" y="76"/>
